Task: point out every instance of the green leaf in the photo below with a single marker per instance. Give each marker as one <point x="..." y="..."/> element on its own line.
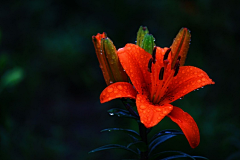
<point x="200" y="157"/>
<point x="158" y="141"/>
<point x="139" y="144"/>
<point x="128" y="131"/>
<point x="113" y="146"/>
<point x="168" y="131"/>
<point x="176" y="156"/>
<point x="148" y="43"/>
<point x="120" y="113"/>
<point x="180" y="155"/>
<point x="140" y="35"/>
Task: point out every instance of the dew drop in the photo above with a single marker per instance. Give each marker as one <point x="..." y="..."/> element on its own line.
<point x="120" y="87"/>
<point x="158" y="109"/>
<point x="203" y="79"/>
<point x="110" y="89"/>
<point x="111" y="114"/>
<point x="199" y="81"/>
<point x="143" y="107"/>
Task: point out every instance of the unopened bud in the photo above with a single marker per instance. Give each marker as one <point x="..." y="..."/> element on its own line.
<point x="140" y="35"/>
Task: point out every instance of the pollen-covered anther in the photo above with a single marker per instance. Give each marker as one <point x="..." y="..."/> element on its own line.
<point x="150" y="65"/>
<point x="161" y="73"/>
<point x="154" y="54"/>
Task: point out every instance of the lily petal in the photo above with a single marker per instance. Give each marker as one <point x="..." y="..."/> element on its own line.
<point x="187" y="124"/>
<point x="151" y="115"/>
<point x="135" y="61"/>
<point x="188" y="79"/>
<point x="118" y="90"/>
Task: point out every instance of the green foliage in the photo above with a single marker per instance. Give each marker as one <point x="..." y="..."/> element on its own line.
<point x="113" y="146"/>
<point x="121" y="113"/>
<point x="128" y="131"/>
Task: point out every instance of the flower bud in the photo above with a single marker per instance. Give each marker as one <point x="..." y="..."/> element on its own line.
<point x="109" y="63"/>
<point x="148" y="43"/>
<point x="180" y="46"/>
<point x="140" y="35"/>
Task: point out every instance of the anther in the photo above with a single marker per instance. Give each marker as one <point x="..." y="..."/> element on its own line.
<point x="150" y="65"/>
<point x="179" y="58"/>
<point x="166" y="54"/>
<point x="176" y="68"/>
<point x="154" y="54"/>
<point x="161" y="73"/>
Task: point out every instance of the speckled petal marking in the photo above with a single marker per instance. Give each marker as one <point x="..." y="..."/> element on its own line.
<point x="118" y="90"/>
<point x="187" y="124"/>
<point x="151" y="115"/>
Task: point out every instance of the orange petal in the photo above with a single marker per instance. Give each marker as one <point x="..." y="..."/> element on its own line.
<point x="118" y="90"/>
<point x="187" y="124"/>
<point x="180" y="46"/>
<point x="151" y="115"/>
<point x="135" y="61"/>
<point x="188" y="79"/>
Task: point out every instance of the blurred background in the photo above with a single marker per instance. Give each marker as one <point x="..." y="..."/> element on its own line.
<point x="50" y="80"/>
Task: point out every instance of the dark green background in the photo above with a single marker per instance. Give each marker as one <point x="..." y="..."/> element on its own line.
<point x="51" y="81"/>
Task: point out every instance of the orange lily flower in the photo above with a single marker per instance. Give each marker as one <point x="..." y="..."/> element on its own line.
<point x="157" y="80"/>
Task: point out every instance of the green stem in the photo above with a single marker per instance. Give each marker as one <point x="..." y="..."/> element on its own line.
<point x="143" y="134"/>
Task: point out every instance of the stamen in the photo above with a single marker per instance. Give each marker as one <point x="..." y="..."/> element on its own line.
<point x="161" y="73"/>
<point x="179" y="58"/>
<point x="176" y="69"/>
<point x="166" y="54"/>
<point x="154" y="54"/>
<point x="150" y="65"/>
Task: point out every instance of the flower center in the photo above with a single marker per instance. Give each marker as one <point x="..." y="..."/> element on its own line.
<point x="161" y="76"/>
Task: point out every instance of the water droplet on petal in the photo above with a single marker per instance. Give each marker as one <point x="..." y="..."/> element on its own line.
<point x="143" y="107"/>
<point x="199" y="81"/>
<point x="158" y="109"/>
<point x="110" y="89"/>
<point x="120" y="87"/>
<point x="203" y="79"/>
